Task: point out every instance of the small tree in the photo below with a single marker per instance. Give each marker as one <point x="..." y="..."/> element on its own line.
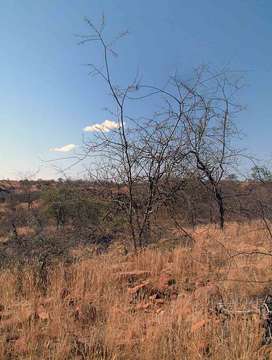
<point x="67" y="205"/>
<point x="261" y="174"/>
<point x="189" y="130"/>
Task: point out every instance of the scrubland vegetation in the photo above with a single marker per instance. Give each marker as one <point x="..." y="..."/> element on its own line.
<point x="73" y="287"/>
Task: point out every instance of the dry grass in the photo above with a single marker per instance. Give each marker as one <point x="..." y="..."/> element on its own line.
<point x="93" y="310"/>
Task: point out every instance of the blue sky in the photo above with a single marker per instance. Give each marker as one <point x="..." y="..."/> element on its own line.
<point x="47" y="98"/>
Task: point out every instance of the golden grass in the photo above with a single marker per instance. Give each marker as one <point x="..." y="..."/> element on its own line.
<point x="89" y="312"/>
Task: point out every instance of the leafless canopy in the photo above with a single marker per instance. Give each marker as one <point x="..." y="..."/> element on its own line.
<point x="185" y="129"/>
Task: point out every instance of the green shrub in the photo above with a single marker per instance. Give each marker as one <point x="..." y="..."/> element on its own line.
<point x="69" y="205"/>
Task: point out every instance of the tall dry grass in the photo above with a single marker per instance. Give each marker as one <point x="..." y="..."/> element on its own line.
<point x="88" y="311"/>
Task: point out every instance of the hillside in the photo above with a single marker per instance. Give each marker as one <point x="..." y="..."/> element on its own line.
<point x="73" y="287"/>
<point x="166" y="302"/>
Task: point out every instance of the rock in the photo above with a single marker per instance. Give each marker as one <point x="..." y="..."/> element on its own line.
<point x="159" y="302"/>
<point x="143" y="306"/>
<point x="166" y="287"/>
<point x="141" y="291"/>
<point x="154" y="291"/>
<point x="165" y="280"/>
<point x="160" y="312"/>
<point x="132" y="276"/>
<point x="156" y="298"/>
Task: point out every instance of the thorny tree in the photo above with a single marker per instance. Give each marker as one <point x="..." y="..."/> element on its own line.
<point x="187" y="130"/>
<point x="211" y="131"/>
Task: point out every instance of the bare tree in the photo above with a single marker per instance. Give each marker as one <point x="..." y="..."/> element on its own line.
<point x="189" y="132"/>
<point x="210" y="129"/>
<point x="205" y="108"/>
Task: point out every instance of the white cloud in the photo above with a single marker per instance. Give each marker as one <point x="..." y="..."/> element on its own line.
<point x="63" y="149"/>
<point x="105" y="126"/>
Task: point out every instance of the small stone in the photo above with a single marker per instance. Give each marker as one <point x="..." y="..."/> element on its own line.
<point x="140" y="290"/>
<point x="143" y="306"/>
<point x="165" y="281"/>
<point x="132" y="276"/>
